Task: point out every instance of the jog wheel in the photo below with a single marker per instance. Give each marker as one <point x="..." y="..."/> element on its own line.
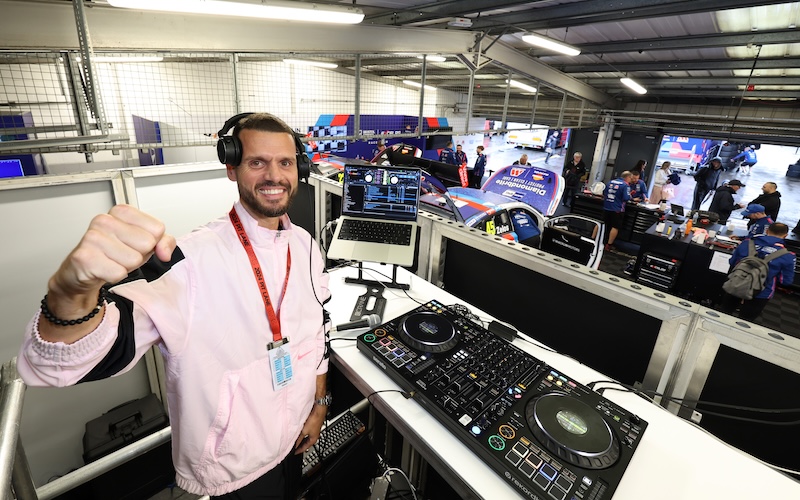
<point x="572" y="430"/>
<point x="428" y="332"/>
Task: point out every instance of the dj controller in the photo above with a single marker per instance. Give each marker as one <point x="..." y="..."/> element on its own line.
<point x="547" y="435"/>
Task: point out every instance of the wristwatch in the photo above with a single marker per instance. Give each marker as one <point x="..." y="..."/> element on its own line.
<point x="327" y="400"/>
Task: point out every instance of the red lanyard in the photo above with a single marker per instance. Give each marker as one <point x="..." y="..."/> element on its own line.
<point x="274" y="321"/>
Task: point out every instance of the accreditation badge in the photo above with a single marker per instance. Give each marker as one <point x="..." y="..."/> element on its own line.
<point x="280" y="362"/>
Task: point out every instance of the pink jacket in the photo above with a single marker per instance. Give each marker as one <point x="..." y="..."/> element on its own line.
<point x="229" y="426"/>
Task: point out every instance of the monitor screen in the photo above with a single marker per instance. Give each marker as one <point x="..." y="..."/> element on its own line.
<point x="11" y="168"/>
<point x="390" y="193"/>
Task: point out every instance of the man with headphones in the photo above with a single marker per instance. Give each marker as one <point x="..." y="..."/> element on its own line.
<point x="235" y="308"/>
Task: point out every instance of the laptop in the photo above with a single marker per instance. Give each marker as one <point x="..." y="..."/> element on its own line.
<point x="676" y="209"/>
<point x="379" y="215"/>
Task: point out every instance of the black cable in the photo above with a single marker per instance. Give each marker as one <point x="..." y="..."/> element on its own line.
<point x="406" y="394"/>
<point x="685" y="404"/>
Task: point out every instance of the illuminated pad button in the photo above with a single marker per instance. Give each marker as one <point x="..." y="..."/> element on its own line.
<point x="496" y="442"/>
<point x="549" y="471"/>
<point x="534" y="461"/>
<point x="506" y="431"/>
<point x="520" y="449"/>
<point x="380" y="332"/>
<point x="370" y="338"/>
<point x="385" y="342"/>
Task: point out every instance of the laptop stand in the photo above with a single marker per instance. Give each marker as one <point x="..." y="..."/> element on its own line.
<point x="392" y="284"/>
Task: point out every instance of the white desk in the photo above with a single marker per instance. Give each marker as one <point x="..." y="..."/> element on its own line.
<point x="674" y="459"/>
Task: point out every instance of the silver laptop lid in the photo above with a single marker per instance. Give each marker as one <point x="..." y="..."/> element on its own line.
<point x="381" y="192"/>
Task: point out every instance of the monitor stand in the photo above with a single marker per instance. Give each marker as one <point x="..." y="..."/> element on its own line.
<point x="392" y="284"/>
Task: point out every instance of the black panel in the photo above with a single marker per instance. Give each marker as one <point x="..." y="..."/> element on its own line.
<point x="583" y="140"/>
<point x="633" y="147"/>
<point x="607" y="336"/>
<point x="302" y="209"/>
<point x="740" y="379"/>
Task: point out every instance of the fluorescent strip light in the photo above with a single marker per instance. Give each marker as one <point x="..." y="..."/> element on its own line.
<point x="277" y="9"/>
<point x="418" y="85"/>
<point x="127" y="59"/>
<point x="300" y="62"/>
<point x="520" y="85"/>
<point x="549" y="43"/>
<point x="434" y="58"/>
<point x="633" y="85"/>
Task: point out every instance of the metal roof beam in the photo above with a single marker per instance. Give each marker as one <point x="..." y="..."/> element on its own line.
<point x="699" y="64"/>
<point x="688" y="94"/>
<point x="693" y="41"/>
<point x="711" y="81"/>
<point x="438" y="10"/>
<point x="600" y="11"/>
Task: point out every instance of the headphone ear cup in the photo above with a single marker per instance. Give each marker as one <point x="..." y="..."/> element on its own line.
<point x="303" y="161"/>
<point x="229" y="150"/>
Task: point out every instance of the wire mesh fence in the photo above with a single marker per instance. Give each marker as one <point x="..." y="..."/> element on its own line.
<point x="155" y="101"/>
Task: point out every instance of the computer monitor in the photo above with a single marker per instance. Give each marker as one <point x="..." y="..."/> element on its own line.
<point x="11" y="168"/>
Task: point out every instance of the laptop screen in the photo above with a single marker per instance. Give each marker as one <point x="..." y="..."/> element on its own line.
<point x="676" y="209"/>
<point x="381" y="192"/>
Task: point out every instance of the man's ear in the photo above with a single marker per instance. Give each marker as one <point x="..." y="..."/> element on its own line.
<point x="231" y="171"/>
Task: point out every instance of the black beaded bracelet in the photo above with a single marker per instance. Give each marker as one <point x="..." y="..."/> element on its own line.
<point x="49" y="316"/>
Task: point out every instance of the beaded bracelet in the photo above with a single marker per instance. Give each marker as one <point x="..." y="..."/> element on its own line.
<point x="49" y="316"/>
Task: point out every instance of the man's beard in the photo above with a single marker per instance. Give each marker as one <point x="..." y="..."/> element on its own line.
<point x="251" y="201"/>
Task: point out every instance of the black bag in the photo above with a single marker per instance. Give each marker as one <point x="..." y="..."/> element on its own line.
<point x="674" y="178"/>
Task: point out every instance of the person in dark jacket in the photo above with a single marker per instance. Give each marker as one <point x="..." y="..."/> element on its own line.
<point x="781" y="270"/>
<point x="448" y="155"/>
<point x="478" y="169"/>
<point x="759" y="220"/>
<point x="461" y="156"/>
<point x="770" y="198"/>
<point x="707" y="179"/>
<point x="577" y="162"/>
<point x="572" y="181"/>
<point x="723" y="203"/>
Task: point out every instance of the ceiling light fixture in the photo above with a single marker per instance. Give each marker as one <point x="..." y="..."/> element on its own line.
<point x="520" y="85"/>
<point x="549" y="43"/>
<point x="633" y="85"/>
<point x="272" y="9"/>
<point x="317" y="64"/>
<point x="434" y="58"/>
<point x="418" y="85"/>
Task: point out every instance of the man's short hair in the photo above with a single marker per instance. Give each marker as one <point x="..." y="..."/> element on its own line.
<point x="458" y="145"/>
<point x="635" y="173"/>
<point x="578" y="154"/>
<point x="263" y="122"/>
<point x="774" y="185"/>
<point x="450" y="144"/>
<point x="626" y="174"/>
<point x="778" y="229"/>
<point x="480" y="148"/>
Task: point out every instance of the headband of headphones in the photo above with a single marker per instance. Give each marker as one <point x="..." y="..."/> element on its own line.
<point x="229" y="148"/>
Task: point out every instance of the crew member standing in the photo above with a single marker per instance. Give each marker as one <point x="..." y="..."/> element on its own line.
<point x="759" y="220"/>
<point x="461" y="156"/>
<point x="479" y="168"/>
<point x="707" y="179"/>
<point x="448" y="155"/>
<point x="615" y="196"/>
<point x="230" y="307"/>
<point x="770" y="198"/>
<point x="781" y="270"/>
<point x="723" y="203"/>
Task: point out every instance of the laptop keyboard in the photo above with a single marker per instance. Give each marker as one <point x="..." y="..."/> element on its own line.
<point x="376" y="232"/>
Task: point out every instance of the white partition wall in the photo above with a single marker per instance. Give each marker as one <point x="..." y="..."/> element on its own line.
<point x="41" y="220"/>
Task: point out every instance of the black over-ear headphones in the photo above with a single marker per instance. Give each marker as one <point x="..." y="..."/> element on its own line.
<point x="229" y="148"/>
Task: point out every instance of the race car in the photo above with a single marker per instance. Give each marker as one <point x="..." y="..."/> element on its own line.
<point x="519" y="216"/>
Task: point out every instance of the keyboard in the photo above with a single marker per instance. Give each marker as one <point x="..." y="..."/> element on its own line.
<point x="333" y="437"/>
<point x="376" y="232"/>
